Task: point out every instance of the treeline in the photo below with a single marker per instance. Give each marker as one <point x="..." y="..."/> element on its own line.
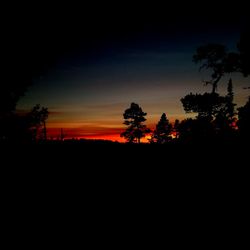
<point x="217" y="119"/>
<point x="220" y="123"/>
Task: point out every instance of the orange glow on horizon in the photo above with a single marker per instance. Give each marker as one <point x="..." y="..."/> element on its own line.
<point x="94" y="134"/>
<point x="85" y="133"/>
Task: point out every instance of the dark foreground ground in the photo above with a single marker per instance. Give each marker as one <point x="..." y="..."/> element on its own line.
<point x="108" y="159"/>
<point x="124" y="190"/>
<point x="92" y="170"/>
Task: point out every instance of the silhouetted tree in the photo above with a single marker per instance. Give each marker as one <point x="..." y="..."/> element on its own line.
<point x="14" y="83"/>
<point x="186" y="130"/>
<point x="216" y="113"/>
<point x="195" y="130"/>
<point x="244" y="120"/>
<point x="230" y="105"/>
<point x="37" y="121"/>
<point x="9" y="121"/>
<point x="207" y="105"/>
<point x="162" y="132"/>
<point x="225" y="117"/>
<point x="134" y="119"/>
<point x="177" y="128"/>
<point x="215" y="57"/>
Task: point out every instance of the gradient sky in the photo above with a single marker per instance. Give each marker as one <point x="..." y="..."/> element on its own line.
<point x="147" y="61"/>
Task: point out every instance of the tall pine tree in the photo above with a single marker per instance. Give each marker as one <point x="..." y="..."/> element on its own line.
<point x="134" y="119"/>
<point x="230" y="106"/>
<point x="162" y="132"/>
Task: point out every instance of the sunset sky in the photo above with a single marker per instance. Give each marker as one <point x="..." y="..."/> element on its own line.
<point x="97" y="74"/>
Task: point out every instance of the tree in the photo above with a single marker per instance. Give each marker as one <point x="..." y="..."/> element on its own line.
<point x="207" y="105"/>
<point x="244" y="119"/>
<point x="37" y="122"/>
<point x="215" y="57"/>
<point x="9" y="95"/>
<point x="225" y="117"/>
<point x="161" y="134"/>
<point x="230" y="106"/>
<point x="134" y="119"/>
<point x="195" y="130"/>
<point x="186" y="130"/>
<point x="177" y="128"/>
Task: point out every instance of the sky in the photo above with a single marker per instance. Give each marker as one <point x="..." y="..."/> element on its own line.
<point x="94" y="68"/>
